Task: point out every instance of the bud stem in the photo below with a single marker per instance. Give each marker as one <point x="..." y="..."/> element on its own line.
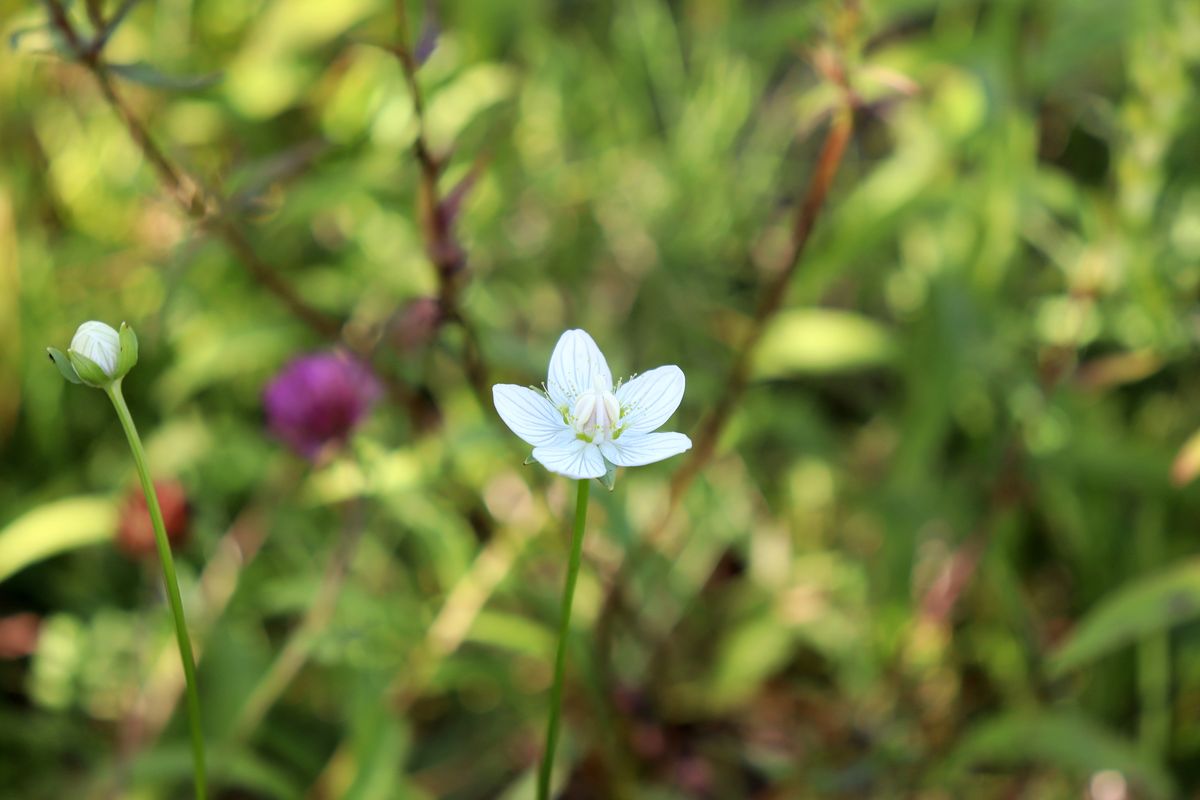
<point x="560" y="659"/>
<point x="172" y="582"/>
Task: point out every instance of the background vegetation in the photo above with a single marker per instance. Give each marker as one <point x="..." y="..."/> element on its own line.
<point x="938" y="549"/>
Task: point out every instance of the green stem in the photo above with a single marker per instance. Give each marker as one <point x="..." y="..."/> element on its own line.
<point x="560" y="659"/>
<point x="168" y="567"/>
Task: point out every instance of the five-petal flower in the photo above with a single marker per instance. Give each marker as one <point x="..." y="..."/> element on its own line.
<point x="582" y="423"/>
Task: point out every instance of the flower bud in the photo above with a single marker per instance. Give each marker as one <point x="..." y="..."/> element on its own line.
<point x="100" y="343"/>
<point x="98" y="355"/>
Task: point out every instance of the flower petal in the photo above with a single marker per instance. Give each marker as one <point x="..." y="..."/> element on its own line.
<point x="575" y="459"/>
<point x="575" y="366"/>
<point x="638" y="449"/>
<point x="650" y="399"/>
<point x="529" y="414"/>
<point x="100" y="343"/>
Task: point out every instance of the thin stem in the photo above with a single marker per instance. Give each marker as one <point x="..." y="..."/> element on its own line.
<point x="172" y="583"/>
<point x="437" y="221"/>
<point x="560" y="659"/>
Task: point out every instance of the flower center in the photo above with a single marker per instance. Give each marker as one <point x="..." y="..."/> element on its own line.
<point x="596" y="413"/>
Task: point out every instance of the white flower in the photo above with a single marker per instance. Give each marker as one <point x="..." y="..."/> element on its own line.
<point x="100" y="343"/>
<point x="582" y="420"/>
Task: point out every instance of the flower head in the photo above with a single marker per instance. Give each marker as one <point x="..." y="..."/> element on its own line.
<point x="318" y="401"/>
<point x="582" y="424"/>
<point x="98" y="356"/>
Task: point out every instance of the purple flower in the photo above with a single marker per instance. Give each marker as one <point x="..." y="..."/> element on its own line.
<point x="318" y="400"/>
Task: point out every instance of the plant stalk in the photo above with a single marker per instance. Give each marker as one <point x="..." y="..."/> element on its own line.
<point x="172" y="583"/>
<point x="560" y="659"/>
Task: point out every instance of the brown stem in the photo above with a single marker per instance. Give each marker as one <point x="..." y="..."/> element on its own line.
<point x="769" y="303"/>
<point x="186" y="191"/>
<point x="58" y="17"/>
<point x="204" y="206"/>
<point x="200" y="205"/>
<point x="437" y="223"/>
<point x="710" y="430"/>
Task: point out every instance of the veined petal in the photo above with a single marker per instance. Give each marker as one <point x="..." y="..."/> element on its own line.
<point x="529" y="414"/>
<point x="575" y="459"/>
<point x="100" y="343"/>
<point x="639" y="449"/>
<point x="650" y="399"/>
<point x="575" y="366"/>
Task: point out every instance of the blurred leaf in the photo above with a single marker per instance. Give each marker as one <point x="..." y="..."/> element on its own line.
<point x="747" y="656"/>
<point x="460" y="102"/>
<point x="49" y="41"/>
<point x="255" y="179"/>
<point x="380" y="743"/>
<point x="818" y="341"/>
<point x="1059" y="740"/>
<point x="148" y="75"/>
<point x="118" y="18"/>
<point x="1130" y="614"/>
<point x="512" y="632"/>
<point x="15" y="38"/>
<point x="242" y="769"/>
<point x="55" y="528"/>
<point x="1119" y="369"/>
<point x="1186" y="465"/>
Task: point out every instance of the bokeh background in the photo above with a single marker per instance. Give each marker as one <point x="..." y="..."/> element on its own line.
<point x="944" y="547"/>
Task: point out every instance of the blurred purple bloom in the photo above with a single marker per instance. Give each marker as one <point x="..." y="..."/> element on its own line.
<point x="318" y="400"/>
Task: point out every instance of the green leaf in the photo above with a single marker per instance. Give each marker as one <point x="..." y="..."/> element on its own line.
<point x="240" y="769"/>
<point x="14" y="38"/>
<point x="47" y="41"/>
<point x="1066" y="741"/>
<point x="148" y="75"/>
<point x="89" y="371"/>
<point x="745" y="658"/>
<point x="512" y="632"/>
<point x="55" y="528"/>
<point x="1131" y="614"/>
<point x="128" y="355"/>
<point x="63" y="363"/>
<point x="119" y="17"/>
<point x="818" y="341"/>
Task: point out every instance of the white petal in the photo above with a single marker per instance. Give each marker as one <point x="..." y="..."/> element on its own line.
<point x="100" y="343"/>
<point x="529" y="414"/>
<point x="638" y="449"/>
<point x="651" y="398"/>
<point x="575" y="459"/>
<point x="575" y="366"/>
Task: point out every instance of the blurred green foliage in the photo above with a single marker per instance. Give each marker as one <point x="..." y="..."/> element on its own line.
<point x="939" y="551"/>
